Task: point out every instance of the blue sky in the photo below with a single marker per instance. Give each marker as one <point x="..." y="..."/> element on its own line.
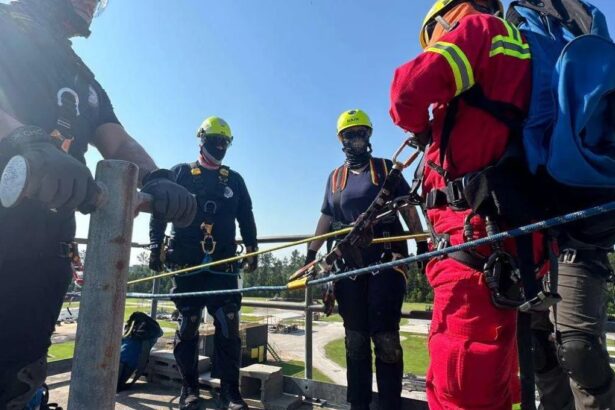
<point x="279" y="71"/>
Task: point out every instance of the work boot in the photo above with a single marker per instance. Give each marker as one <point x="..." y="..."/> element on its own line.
<point x="189" y="398"/>
<point x="231" y="398"/>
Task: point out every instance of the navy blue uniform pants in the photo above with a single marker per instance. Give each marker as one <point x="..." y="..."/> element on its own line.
<point x="371" y="308"/>
<point x="225" y="310"/>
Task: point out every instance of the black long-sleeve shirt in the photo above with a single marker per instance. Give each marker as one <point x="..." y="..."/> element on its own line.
<point x="226" y="199"/>
<point x="37" y="69"/>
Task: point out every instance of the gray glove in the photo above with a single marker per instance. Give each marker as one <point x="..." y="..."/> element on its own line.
<point x="172" y="202"/>
<point x="57" y="179"/>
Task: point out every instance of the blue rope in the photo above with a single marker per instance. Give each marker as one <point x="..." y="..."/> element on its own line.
<point x="513" y="233"/>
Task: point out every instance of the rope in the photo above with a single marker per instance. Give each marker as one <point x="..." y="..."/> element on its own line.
<point x="300" y="283"/>
<point x="275" y="248"/>
<point x="239" y="257"/>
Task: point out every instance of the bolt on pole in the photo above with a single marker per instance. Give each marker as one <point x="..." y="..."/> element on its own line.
<point x="101" y="311"/>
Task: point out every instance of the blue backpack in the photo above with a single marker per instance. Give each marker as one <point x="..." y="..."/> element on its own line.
<point x="570" y="129"/>
<point x="141" y="333"/>
<point x="40" y="400"/>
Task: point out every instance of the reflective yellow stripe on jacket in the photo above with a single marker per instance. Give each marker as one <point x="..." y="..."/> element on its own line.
<point x="456" y="58"/>
<point x="511" y="45"/>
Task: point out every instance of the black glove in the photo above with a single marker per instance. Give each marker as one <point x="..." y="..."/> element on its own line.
<point x="421" y="248"/>
<point x="310" y="257"/>
<point x="56" y="179"/>
<point x="250" y="264"/>
<point x="155" y="260"/>
<point x="172" y="202"/>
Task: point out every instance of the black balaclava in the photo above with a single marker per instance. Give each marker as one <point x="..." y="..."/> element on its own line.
<point x="211" y="152"/>
<point x="57" y="14"/>
<point x="358" y="151"/>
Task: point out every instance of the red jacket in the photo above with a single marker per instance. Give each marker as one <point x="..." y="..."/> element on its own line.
<point x="482" y="51"/>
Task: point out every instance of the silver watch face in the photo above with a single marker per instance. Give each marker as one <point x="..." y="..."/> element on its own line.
<point x="13" y="181"/>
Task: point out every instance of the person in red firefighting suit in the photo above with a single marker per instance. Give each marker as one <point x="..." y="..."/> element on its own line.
<point x="472" y="343"/>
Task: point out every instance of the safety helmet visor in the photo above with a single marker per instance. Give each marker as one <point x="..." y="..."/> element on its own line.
<point x="100" y="7"/>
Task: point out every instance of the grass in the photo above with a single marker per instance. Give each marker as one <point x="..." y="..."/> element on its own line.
<point x="60" y="351"/>
<point x="407" y="306"/>
<point x="252" y="319"/>
<point x="296" y="368"/>
<point x="247" y="309"/>
<point x="333" y="318"/>
<point x="416" y="357"/>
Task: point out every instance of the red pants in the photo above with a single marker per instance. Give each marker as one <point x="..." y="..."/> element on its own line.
<point x="472" y="344"/>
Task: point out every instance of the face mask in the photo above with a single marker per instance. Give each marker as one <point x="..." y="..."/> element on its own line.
<point x="214" y="148"/>
<point x="358" y="150"/>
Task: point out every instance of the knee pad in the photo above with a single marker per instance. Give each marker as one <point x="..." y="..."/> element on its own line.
<point x="228" y="319"/>
<point x="357" y="345"/>
<point x="585" y="359"/>
<point x="545" y="354"/>
<point x="22" y="386"/>
<point x="189" y="326"/>
<point x="387" y="347"/>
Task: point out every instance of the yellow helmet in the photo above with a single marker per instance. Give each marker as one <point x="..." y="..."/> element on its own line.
<point x="214" y="126"/>
<point x="352" y="118"/>
<point x="441" y="7"/>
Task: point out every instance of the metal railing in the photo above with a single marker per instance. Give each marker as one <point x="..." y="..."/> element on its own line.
<point x="95" y="365"/>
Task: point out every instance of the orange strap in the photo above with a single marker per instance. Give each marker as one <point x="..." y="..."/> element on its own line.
<point x="339" y="179"/>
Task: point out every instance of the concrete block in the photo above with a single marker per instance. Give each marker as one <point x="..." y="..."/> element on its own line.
<point x="259" y="380"/>
<point x="206" y="380"/>
<point x="163" y="362"/>
<point x="174" y="381"/>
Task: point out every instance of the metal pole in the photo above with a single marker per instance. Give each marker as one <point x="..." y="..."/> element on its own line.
<point x="101" y="312"/>
<point x="155" y="289"/>
<point x="308" y="333"/>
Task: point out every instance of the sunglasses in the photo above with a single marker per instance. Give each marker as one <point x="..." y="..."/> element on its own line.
<point x="355" y="133"/>
<point x="216" y="140"/>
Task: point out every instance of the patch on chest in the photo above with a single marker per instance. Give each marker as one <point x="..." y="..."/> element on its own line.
<point x="93" y="97"/>
<point x="228" y="192"/>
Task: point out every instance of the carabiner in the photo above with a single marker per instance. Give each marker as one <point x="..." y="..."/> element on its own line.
<point x="410" y="160"/>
